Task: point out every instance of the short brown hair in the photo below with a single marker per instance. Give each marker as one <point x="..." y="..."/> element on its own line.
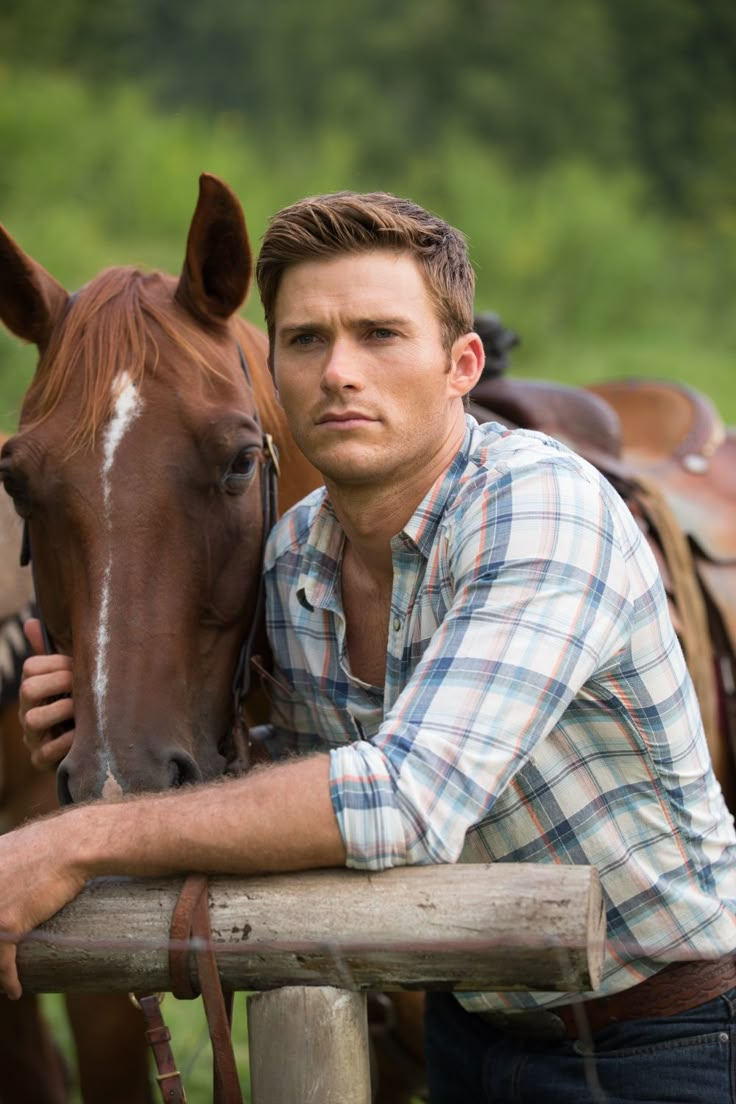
<point x="326" y="226"/>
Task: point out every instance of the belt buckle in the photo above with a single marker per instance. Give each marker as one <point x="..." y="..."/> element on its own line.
<point x="537" y="1024"/>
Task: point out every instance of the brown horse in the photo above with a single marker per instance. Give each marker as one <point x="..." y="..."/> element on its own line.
<point x="139" y="468"/>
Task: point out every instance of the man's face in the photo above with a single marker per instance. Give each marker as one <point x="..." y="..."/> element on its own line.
<point x="368" y="387"/>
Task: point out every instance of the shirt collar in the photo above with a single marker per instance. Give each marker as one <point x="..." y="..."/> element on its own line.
<point x="421" y="528"/>
<point x="317" y="583"/>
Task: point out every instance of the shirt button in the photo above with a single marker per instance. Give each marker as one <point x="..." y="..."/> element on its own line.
<point x="397" y="624"/>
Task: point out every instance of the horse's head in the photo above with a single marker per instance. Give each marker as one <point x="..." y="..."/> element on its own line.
<point x="138" y="467"/>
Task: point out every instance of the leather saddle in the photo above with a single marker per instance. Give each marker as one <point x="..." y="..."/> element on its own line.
<point x="665" y="449"/>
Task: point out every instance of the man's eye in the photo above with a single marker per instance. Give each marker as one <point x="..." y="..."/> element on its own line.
<point x="304" y="339"/>
<point x="382" y="333"/>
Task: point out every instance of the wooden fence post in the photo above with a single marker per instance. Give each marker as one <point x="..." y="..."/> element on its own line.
<point x="308" y="1044"/>
<point x="495" y="926"/>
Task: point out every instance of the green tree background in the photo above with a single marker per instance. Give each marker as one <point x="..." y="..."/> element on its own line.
<point x="587" y="148"/>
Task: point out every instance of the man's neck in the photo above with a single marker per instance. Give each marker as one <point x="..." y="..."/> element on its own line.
<point x="372" y="514"/>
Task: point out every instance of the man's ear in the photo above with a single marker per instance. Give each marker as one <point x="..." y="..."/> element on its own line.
<point x="467" y="358"/>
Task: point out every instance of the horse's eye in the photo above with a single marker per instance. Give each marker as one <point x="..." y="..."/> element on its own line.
<point x="16" y="486"/>
<point x="241" y="470"/>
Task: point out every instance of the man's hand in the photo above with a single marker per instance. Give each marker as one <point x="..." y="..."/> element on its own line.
<point x="274" y="818"/>
<point x="37" y="881"/>
<point x="45" y="702"/>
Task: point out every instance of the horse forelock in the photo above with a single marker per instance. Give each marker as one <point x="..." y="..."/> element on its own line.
<point x="118" y="323"/>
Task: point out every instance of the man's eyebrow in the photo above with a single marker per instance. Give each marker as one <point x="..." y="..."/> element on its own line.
<point x="378" y="322"/>
<point x="355" y="324"/>
<point x="297" y="327"/>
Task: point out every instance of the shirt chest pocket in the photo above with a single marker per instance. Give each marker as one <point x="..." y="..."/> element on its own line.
<point x="335" y="724"/>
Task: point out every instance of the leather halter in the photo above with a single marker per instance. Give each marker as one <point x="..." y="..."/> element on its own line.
<point x="238" y="758"/>
<point x="236" y="750"/>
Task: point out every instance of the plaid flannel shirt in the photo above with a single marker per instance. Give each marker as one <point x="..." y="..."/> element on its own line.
<point x="536" y="706"/>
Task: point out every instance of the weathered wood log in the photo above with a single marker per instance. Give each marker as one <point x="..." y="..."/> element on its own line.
<point x="502" y="926"/>
<point x="308" y="1044"/>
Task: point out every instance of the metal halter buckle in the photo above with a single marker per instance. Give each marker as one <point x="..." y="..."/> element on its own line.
<point x="269" y="447"/>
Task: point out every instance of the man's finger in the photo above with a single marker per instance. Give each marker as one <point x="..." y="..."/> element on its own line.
<point x="32" y="629"/>
<point x="9" y="980"/>
<point x="38" y="689"/>
<point x="40" y="721"/>
<point x="48" y="755"/>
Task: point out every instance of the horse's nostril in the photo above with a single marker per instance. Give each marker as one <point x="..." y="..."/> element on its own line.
<point x="63" y="788"/>
<point x="183" y="770"/>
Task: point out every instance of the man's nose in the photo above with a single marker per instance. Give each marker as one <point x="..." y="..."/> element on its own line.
<point x="342" y="368"/>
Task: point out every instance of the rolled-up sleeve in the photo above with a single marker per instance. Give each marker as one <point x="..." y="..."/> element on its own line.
<point x="540" y="604"/>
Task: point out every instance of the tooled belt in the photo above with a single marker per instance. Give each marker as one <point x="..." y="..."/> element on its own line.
<point x="675" y="989"/>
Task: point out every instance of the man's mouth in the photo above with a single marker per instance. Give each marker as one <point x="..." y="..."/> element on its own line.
<point x="343" y="417"/>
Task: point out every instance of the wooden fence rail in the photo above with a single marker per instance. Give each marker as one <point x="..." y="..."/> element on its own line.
<point x="496" y="926"/>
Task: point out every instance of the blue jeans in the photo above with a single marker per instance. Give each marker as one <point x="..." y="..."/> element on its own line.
<point x="685" y="1059"/>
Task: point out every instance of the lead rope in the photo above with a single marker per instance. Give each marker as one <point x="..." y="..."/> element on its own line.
<point x="190" y="928"/>
<point x="158" y="1038"/>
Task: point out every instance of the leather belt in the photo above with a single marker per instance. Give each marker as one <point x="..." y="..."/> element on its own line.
<point x="675" y="989"/>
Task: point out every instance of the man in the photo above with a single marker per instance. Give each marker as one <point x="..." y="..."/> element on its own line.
<point x="474" y="659"/>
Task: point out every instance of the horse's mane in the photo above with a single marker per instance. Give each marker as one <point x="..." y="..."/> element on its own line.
<point x="118" y="318"/>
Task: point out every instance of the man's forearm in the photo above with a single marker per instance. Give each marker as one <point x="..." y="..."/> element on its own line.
<point x="275" y="818"/>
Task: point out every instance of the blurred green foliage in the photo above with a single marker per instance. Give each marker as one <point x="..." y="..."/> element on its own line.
<point x="598" y="279"/>
<point x="650" y="83"/>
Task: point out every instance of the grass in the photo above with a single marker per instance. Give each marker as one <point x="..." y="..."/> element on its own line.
<point x="190" y="1043"/>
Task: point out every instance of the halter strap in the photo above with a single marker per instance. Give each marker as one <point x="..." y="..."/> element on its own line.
<point x="239" y="757"/>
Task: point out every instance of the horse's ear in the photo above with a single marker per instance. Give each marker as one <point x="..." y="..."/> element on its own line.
<point x="218" y="265"/>
<point x="31" y="301"/>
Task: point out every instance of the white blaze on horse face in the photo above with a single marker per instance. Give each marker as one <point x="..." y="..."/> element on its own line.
<point x="127" y="406"/>
<point x="112" y="790"/>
